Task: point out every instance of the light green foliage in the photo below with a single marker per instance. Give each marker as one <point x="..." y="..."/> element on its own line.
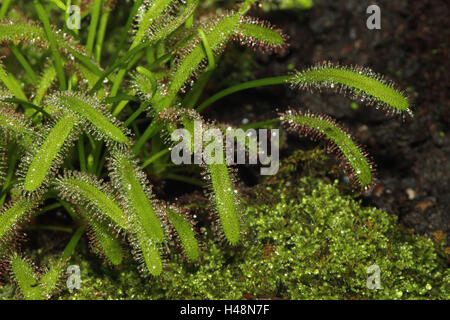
<point x="15" y="126"/>
<point x="31" y="287"/>
<point x="308" y="241"/>
<point x="31" y="32"/>
<point x="104" y="240"/>
<point x="85" y="191"/>
<point x="217" y="35"/>
<point x="47" y="153"/>
<point x="142" y="208"/>
<point x="12" y="215"/>
<point x="165" y="26"/>
<point x="46" y="80"/>
<point x="288" y="4"/>
<point x="148" y="14"/>
<point x="147" y="249"/>
<point x="225" y="201"/>
<point x="325" y="126"/>
<point x="130" y="181"/>
<point x="169" y="50"/>
<point x="93" y="112"/>
<point x="224" y="194"/>
<point x="14" y="30"/>
<point x="26" y="278"/>
<point x="261" y="34"/>
<point x="145" y="85"/>
<point x="185" y="234"/>
<point x="11" y="83"/>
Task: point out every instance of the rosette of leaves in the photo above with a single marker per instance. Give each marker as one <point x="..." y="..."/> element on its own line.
<point x="72" y="133"/>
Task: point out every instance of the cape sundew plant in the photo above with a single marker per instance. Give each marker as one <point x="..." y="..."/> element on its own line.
<point x="88" y="132"/>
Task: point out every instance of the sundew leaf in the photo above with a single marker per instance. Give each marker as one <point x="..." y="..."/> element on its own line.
<point x="11" y="30"/>
<point x="33" y="33"/>
<point x="100" y="120"/>
<point x="34" y="287"/>
<point x="50" y="153"/>
<point x="217" y="35"/>
<point x="167" y="24"/>
<point x="86" y="192"/>
<point x="135" y="191"/>
<point x="224" y="194"/>
<point x="225" y="201"/>
<point x="144" y="85"/>
<point x="147" y="15"/>
<point x="185" y="233"/>
<point x="260" y="35"/>
<point x="50" y="280"/>
<point x="25" y="277"/>
<point x="363" y="84"/>
<point x="323" y="126"/>
<point x="146" y="251"/>
<point x="12" y="216"/>
<point x="13" y="125"/>
<point x="104" y="241"/>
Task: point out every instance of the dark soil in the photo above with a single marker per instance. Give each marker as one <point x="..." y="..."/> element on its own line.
<point x="411" y="49"/>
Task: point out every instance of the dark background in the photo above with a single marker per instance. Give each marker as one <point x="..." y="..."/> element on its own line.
<point x="412" y="50"/>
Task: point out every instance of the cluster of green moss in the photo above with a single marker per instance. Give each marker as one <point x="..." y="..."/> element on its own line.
<point x="306" y="240"/>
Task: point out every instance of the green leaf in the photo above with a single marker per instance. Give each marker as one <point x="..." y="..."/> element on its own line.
<point x="11" y="217"/>
<point x="217" y="35"/>
<point x="261" y="35"/>
<point x="323" y="126"/>
<point x="99" y="119"/>
<point x="15" y="126"/>
<point x="135" y="191"/>
<point x="50" y="153"/>
<point x="185" y="233"/>
<point x="363" y="84"/>
<point x="86" y="192"/>
<point x="104" y="240"/>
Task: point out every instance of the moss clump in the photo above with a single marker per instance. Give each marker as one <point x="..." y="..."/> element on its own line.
<point x="305" y="241"/>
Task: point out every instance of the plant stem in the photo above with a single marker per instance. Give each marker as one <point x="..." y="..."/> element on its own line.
<point x="95" y="14"/>
<point x="23" y="61"/>
<point x="155" y="157"/>
<point x="4" y="8"/>
<point x="196" y="182"/>
<point x="261" y="124"/>
<point x="12" y="84"/>
<point x="53" y="44"/>
<point x="136" y="114"/>
<point x="50" y="207"/>
<point x="70" y="248"/>
<point x="101" y="33"/>
<point x="51" y="228"/>
<point x="151" y="130"/>
<point x="243" y="86"/>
